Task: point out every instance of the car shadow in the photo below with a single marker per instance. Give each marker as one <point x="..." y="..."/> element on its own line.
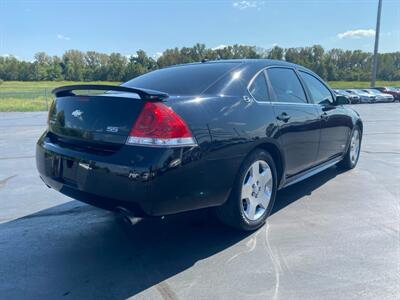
<point x="80" y="251"/>
<point x="83" y="252"/>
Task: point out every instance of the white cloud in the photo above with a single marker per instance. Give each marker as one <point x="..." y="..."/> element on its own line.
<point x="248" y="4"/>
<point x="157" y="55"/>
<point x="219" y="47"/>
<point x="63" y="37"/>
<point x="356" y="34"/>
<point x="6" y="55"/>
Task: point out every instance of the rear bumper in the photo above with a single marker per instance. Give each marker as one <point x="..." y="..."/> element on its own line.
<point x="355" y="100"/>
<point x="367" y="100"/>
<point x="147" y="181"/>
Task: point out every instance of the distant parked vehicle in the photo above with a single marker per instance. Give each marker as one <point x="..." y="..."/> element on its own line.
<point x="380" y="97"/>
<point x="353" y="99"/>
<point x="395" y="92"/>
<point x="364" y="97"/>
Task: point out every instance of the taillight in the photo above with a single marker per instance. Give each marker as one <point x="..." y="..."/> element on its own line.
<point x="158" y="125"/>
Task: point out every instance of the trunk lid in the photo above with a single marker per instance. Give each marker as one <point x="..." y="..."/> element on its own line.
<point x="105" y="118"/>
<point x="94" y="119"/>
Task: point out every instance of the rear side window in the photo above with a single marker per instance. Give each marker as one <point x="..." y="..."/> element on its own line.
<point x="182" y="80"/>
<point x="320" y="94"/>
<point x="258" y="88"/>
<point x="285" y="86"/>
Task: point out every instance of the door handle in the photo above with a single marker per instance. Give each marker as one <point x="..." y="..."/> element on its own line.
<point x="324" y="116"/>
<point x="283" y="117"/>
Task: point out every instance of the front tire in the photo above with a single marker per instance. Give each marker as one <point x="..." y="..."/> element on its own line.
<point x="352" y="155"/>
<point x="253" y="193"/>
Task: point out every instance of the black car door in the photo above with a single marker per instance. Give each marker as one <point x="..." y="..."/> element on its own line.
<point x="298" y="121"/>
<point x="335" y="125"/>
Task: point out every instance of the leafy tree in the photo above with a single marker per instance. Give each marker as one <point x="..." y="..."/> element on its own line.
<point x="276" y="53"/>
<point x="116" y="67"/>
<point x="73" y="63"/>
<point x="335" y="64"/>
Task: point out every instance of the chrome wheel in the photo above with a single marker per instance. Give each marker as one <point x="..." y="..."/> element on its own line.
<point x="256" y="190"/>
<point x="355" y="146"/>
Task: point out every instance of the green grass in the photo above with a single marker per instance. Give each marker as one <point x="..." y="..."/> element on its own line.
<point x="360" y="84"/>
<point x="36" y="95"/>
<point x="32" y="95"/>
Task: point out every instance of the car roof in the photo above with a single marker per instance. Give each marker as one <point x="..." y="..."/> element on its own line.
<point x="259" y="62"/>
<point x="250" y="67"/>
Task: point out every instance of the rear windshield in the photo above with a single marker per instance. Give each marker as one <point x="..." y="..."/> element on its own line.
<point x="182" y="80"/>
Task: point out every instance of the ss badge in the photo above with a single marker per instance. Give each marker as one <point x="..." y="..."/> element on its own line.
<point x="112" y="129"/>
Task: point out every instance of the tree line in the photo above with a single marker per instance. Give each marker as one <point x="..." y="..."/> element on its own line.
<point x="75" y="65"/>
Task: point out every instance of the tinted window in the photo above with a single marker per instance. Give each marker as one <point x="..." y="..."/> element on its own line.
<point x="182" y="80"/>
<point x="285" y="86"/>
<point x="258" y="88"/>
<point x="320" y="94"/>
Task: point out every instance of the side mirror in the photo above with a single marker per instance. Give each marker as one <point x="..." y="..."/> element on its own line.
<point x="341" y="100"/>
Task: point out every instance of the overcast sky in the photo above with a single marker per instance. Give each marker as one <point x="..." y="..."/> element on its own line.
<point x="27" y="27"/>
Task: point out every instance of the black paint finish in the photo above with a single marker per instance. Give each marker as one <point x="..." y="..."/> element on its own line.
<point x="86" y="161"/>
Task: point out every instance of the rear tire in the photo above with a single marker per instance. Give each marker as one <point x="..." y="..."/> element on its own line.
<point x="352" y="155"/>
<point x="253" y="194"/>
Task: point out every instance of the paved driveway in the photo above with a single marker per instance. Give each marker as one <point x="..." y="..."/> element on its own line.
<point x="333" y="236"/>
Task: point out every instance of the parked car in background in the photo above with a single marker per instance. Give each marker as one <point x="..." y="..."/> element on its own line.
<point x="395" y="92"/>
<point x="380" y="97"/>
<point x="354" y="99"/>
<point x="226" y="134"/>
<point x="364" y="97"/>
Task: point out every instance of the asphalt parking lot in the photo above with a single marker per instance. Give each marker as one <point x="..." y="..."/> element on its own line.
<point x="333" y="236"/>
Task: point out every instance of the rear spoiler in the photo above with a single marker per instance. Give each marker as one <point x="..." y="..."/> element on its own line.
<point x="144" y="94"/>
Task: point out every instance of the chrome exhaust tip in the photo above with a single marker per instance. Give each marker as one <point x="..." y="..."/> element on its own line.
<point x="127" y="216"/>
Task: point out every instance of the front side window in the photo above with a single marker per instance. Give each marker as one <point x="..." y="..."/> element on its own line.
<point x="285" y="86"/>
<point x="258" y="88"/>
<point x="320" y="94"/>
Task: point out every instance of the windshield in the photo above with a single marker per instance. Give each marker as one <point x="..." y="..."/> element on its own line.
<point x="361" y="91"/>
<point x="372" y="91"/>
<point x="342" y="92"/>
<point x="189" y="79"/>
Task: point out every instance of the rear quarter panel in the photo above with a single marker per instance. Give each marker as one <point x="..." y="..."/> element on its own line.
<point x="227" y="129"/>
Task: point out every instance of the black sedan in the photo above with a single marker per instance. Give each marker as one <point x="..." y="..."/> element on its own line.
<point x="223" y="134"/>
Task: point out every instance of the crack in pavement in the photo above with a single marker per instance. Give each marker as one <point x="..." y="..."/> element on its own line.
<point x="373" y="121"/>
<point x="165" y="291"/>
<point x="379" y="133"/>
<point x="23" y="125"/>
<point x="380" y="152"/>
<point x="16" y="157"/>
<point x="4" y="181"/>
